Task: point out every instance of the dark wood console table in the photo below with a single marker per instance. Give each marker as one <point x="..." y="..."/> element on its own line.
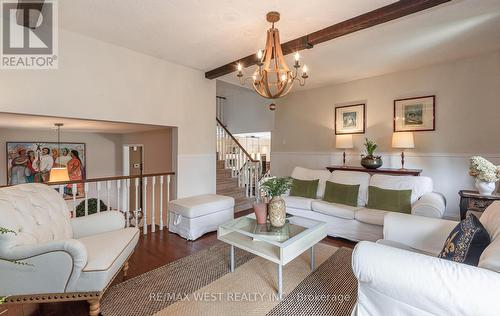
<point x="475" y="202"/>
<point x="391" y="171"/>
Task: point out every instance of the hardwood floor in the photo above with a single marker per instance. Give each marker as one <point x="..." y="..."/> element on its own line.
<point x="153" y="250"/>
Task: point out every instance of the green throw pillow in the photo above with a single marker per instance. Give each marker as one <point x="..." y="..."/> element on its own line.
<point x="341" y="193"/>
<point x="389" y="200"/>
<point x="304" y="188"/>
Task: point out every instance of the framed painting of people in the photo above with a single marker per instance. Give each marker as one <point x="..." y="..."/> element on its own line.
<point x="415" y="114"/>
<point x="31" y="162"/>
<point x="350" y="119"/>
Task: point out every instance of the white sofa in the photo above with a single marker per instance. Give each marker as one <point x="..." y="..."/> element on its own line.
<point x="67" y="259"/>
<point x="358" y="222"/>
<point x="401" y="274"/>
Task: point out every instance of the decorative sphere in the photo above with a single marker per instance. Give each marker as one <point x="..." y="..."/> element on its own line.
<point x="272" y="107"/>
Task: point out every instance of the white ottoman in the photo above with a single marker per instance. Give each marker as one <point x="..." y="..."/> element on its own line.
<point x="194" y="216"/>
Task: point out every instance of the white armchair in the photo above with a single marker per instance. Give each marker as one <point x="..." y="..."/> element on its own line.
<point x="67" y="259"/>
<point x="401" y="274"/>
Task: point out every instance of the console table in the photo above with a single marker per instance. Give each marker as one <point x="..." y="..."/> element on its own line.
<point x="392" y="171"/>
<point x="475" y="202"/>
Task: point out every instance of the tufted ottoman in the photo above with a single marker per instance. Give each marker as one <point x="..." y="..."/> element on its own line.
<point x="194" y="216"/>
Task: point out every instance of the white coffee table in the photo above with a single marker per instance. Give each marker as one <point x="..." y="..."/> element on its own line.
<point x="240" y="233"/>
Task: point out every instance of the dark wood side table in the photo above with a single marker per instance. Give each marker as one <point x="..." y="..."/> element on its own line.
<point x="475" y="202"/>
<point x="391" y="171"/>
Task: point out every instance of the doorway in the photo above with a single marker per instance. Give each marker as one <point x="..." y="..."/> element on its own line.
<point x="133" y="165"/>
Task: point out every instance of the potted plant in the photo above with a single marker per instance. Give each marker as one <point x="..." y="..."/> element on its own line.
<point x="486" y="174"/>
<point x="274" y="188"/>
<point x="370" y="161"/>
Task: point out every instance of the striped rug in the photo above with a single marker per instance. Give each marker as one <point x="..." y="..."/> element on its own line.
<point x="201" y="284"/>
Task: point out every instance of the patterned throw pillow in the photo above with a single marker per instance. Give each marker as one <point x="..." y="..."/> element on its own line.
<point x="466" y="242"/>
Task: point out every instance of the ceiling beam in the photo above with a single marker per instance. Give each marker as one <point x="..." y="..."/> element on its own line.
<point x="381" y="15"/>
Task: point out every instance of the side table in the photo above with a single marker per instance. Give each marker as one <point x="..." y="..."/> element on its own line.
<point x="475" y="202"/>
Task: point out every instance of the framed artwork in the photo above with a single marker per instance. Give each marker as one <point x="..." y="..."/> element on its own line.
<point x="350" y="119"/>
<point x="415" y="114"/>
<point x="29" y="162"/>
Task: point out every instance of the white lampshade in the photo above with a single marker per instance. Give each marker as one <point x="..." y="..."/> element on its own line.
<point x="343" y="141"/>
<point x="403" y="140"/>
<point x="58" y="175"/>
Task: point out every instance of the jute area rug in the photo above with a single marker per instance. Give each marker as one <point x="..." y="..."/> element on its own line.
<point x="201" y="284"/>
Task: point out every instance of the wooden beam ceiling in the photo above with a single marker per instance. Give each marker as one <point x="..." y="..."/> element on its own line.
<point x="381" y="15"/>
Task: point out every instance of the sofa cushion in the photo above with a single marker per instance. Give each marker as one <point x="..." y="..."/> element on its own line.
<point x="418" y="185"/>
<point x="466" y="242"/>
<point x="490" y="258"/>
<point x="334" y="209"/>
<point x="311" y="174"/>
<point x="304" y="188"/>
<point x="341" y="193"/>
<point x="389" y="200"/>
<point x="36" y="212"/>
<point x="201" y="205"/>
<point x="105" y="259"/>
<point x="353" y="178"/>
<point x="370" y="216"/>
<point x="395" y="244"/>
<point x="298" y="202"/>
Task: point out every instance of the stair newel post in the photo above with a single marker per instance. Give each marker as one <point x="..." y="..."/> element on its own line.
<point x="145" y="205"/>
<point x="127" y="201"/>
<point x="161" y="202"/>
<point x="153" y="204"/>
<point x="136" y="211"/>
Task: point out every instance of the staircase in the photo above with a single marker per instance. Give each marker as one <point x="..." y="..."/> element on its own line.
<point x="227" y="185"/>
<point x="238" y="174"/>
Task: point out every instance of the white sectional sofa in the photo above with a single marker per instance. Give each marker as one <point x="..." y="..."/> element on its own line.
<point x="411" y="280"/>
<point x="358" y="222"/>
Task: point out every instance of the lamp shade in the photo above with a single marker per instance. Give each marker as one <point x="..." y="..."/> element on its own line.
<point x="58" y="175"/>
<point x="403" y="140"/>
<point x="343" y="141"/>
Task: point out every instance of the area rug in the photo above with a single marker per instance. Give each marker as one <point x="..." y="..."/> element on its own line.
<point x="201" y="284"/>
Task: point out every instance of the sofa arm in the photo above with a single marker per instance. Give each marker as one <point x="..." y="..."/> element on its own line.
<point x="430" y="204"/>
<point x="46" y="268"/>
<point x="97" y="223"/>
<point x="421" y="233"/>
<point x="405" y="281"/>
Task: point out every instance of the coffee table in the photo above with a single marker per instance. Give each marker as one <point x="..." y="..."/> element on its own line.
<point x="240" y="233"/>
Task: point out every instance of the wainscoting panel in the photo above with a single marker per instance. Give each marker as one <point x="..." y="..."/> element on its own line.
<point x="449" y="171"/>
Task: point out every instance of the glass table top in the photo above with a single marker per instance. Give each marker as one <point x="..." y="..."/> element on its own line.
<point x="248" y="226"/>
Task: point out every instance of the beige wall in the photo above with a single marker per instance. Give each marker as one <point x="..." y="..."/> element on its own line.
<point x="157" y="146"/>
<point x="97" y="80"/>
<point x="103" y="150"/>
<point x="467" y="121"/>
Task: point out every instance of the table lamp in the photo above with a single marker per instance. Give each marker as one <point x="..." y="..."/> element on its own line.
<point x="343" y="142"/>
<point x="403" y="140"/>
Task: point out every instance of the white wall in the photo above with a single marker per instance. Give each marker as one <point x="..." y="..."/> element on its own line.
<point x="467" y="122"/>
<point x="103" y="150"/>
<point x="244" y="110"/>
<point x="97" y="80"/>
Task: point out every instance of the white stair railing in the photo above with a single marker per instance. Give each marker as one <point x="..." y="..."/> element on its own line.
<point x="117" y="193"/>
<point x="236" y="159"/>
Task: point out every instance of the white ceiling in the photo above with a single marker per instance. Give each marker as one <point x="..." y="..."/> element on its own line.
<point x="207" y="34"/>
<point x="202" y="34"/>
<point x="8" y="120"/>
<point x="454" y="30"/>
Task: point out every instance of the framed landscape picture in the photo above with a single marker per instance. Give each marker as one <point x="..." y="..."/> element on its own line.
<point x="350" y="119"/>
<point x="415" y="114"/>
<point x="29" y="162"/>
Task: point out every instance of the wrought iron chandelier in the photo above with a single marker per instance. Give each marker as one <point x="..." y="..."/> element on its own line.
<point x="273" y="79"/>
